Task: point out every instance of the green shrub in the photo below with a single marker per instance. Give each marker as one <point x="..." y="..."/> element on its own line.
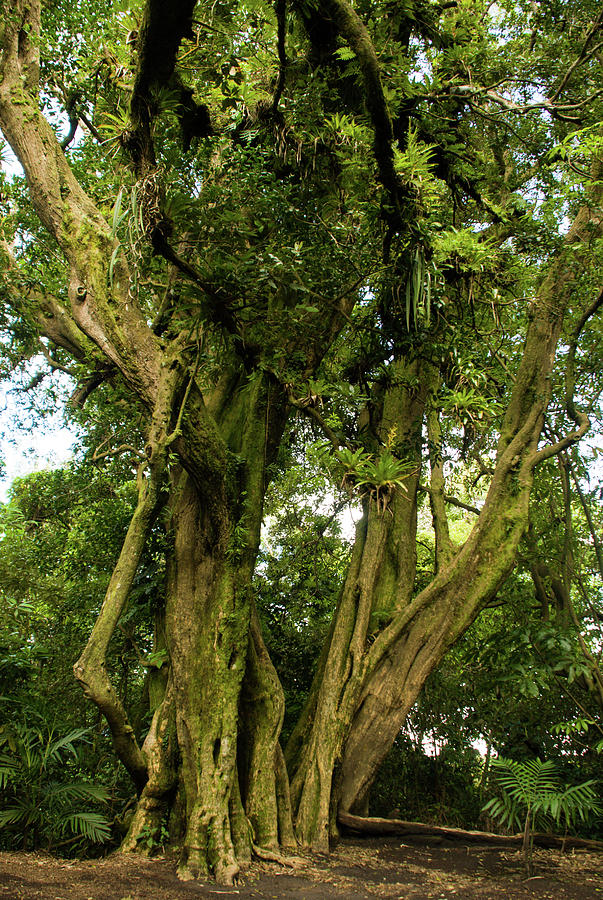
<point x="42" y="799"/>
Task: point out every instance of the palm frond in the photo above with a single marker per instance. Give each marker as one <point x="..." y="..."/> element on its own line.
<point x="67" y="743"/>
<point x="92" y="826"/>
<point x="11" y="815"/>
<point x="8" y="769"/>
<point x="77" y="790"/>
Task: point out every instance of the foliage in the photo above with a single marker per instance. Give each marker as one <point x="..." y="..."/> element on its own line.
<point x="60" y="534"/>
<point x="440" y="786"/>
<point x="301" y="563"/>
<point x="42" y="800"/>
<point x="532" y="793"/>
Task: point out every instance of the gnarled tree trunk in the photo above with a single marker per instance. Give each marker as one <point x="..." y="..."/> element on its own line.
<point x="367" y="687"/>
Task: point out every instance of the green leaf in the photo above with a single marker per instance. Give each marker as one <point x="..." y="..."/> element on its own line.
<point x="93" y="826"/>
<point x="345" y="53"/>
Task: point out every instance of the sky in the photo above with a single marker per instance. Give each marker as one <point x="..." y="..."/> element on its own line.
<point x="23" y="450"/>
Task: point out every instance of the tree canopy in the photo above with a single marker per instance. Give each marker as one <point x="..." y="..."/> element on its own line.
<point x="289" y="249"/>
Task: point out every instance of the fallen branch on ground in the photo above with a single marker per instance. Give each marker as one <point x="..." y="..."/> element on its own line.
<point x="375" y="826"/>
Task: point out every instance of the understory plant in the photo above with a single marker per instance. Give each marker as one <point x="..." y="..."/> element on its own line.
<point x="533" y="793"/>
<point x="43" y="798"/>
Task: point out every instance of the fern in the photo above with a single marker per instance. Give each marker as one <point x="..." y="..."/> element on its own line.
<point x="533" y="792"/>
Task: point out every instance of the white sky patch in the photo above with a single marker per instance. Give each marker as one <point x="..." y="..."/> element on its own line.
<point x="47" y="446"/>
<point x="8" y="161"/>
<point x="349" y="518"/>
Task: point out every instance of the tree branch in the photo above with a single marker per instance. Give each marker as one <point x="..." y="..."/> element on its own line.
<point x="163" y="27"/>
<point x="353" y="31"/>
<point x="90" y="669"/>
<point x="453" y="501"/>
<point x="310" y="410"/>
<point x="580" y="418"/>
<point x="281" y="20"/>
<point x="582" y="56"/>
<point x="90" y="384"/>
<point x="108" y="317"/>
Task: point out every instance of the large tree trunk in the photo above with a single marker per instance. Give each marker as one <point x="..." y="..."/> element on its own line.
<point x="207" y="623"/>
<point x="369" y="680"/>
<point x="187" y="770"/>
<point x="192" y="742"/>
<point x="209" y="631"/>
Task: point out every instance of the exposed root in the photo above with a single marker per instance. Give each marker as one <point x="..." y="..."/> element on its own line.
<point x="293" y="862"/>
<point x="185" y="873"/>
<point x="193" y="866"/>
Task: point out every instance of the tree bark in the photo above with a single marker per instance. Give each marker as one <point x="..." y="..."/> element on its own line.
<point x="207" y="618"/>
<point x="378" y="582"/>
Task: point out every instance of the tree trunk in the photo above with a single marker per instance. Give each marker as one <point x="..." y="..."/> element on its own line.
<point x="224" y="790"/>
<point x="379" y="579"/>
<point x="207" y="621"/>
<point x="370" y="681"/>
<point x="264" y="781"/>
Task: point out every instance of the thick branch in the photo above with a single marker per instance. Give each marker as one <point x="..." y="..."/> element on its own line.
<point x="353" y="31"/>
<point x="115" y="324"/>
<point x="106" y="314"/>
<point x="281" y="21"/>
<point x="90" y="669"/>
<point x="472" y="578"/>
<point x="163" y="27"/>
<point x="90" y="384"/>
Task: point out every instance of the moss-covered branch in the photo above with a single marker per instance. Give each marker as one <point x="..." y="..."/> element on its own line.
<point x="108" y="317"/>
<point x="348" y="24"/>
<point x="90" y="669"/>
<point x="164" y="25"/>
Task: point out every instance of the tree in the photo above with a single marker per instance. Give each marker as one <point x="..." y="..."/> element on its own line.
<point x="314" y="208"/>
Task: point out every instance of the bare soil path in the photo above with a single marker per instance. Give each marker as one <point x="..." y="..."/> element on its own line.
<point x="356" y="870"/>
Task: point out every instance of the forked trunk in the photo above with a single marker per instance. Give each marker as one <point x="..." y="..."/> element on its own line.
<point x="369" y="680"/>
<point x="379" y="579"/>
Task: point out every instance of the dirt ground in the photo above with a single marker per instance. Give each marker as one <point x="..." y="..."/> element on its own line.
<point x="355" y="870"/>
